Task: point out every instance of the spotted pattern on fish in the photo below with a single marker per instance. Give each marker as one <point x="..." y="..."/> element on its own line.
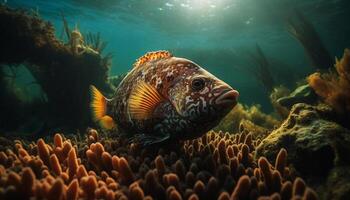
<point x="184" y="112"/>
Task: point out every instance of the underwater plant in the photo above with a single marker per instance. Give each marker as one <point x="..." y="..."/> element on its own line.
<point x="66" y="28"/>
<point x="303" y="31"/>
<point x="261" y="69"/>
<point x="333" y="87"/>
<point x="83" y="43"/>
<point x="233" y="119"/>
<point x="215" y="166"/>
<point x="95" y="41"/>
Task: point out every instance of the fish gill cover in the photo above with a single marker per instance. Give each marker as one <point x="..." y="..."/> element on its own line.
<point x="287" y="138"/>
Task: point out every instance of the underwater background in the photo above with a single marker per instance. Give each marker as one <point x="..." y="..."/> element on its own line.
<point x="218" y="35"/>
<point x="288" y="137"/>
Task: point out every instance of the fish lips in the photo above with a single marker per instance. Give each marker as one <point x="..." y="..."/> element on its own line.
<point x="227" y="98"/>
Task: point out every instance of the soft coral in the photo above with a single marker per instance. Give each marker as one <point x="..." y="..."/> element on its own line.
<point x="334" y="87"/>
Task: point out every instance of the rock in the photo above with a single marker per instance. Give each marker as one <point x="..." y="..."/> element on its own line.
<point x="315" y="144"/>
<point x="302" y="94"/>
<point x="338" y="184"/>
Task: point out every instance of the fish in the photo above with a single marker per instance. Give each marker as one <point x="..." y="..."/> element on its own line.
<point x="164" y="98"/>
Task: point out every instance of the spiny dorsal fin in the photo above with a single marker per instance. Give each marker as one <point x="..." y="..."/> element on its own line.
<point x="150" y="56"/>
<point x="143" y="100"/>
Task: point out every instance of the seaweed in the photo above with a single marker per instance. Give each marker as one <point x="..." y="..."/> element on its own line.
<point x="66" y="26"/>
<point x="333" y="87"/>
<point x="261" y="69"/>
<point x="241" y="112"/>
<point x="95" y="41"/>
<point x="304" y="31"/>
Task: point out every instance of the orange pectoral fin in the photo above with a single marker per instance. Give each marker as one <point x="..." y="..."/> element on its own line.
<point x="143" y="100"/>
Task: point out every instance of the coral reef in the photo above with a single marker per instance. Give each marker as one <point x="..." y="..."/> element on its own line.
<point x="334" y="87"/>
<point x="303" y="31"/>
<point x="216" y="166"/>
<point x="63" y="75"/>
<point x="317" y="146"/>
<point x="232" y="121"/>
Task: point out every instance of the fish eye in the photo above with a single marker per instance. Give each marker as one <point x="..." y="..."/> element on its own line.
<point x="197" y="84"/>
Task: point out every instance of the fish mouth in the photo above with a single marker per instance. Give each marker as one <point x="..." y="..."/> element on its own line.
<point x="228" y="97"/>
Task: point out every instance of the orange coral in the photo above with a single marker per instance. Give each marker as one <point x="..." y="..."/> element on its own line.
<point x="204" y="168"/>
<point x="334" y="87"/>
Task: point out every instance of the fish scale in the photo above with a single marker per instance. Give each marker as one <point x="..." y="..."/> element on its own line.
<point x="163" y="98"/>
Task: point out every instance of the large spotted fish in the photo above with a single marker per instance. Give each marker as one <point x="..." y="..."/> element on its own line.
<point x="164" y="98"/>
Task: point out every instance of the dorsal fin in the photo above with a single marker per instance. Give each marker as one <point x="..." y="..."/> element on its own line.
<point x="150" y="56"/>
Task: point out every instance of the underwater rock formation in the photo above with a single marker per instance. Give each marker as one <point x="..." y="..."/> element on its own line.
<point x="233" y="119"/>
<point x="334" y="87"/>
<point x="338" y="183"/>
<point x="215" y="166"/>
<point x="10" y="97"/>
<point x="62" y="74"/>
<point x="315" y="144"/>
<point x="17" y="103"/>
<point x="302" y="94"/>
<point x="277" y="93"/>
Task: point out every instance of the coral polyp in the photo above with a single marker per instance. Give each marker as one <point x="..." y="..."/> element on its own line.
<point x="216" y="166"/>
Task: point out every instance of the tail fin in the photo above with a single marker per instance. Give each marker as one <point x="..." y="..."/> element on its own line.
<point x="98" y="107"/>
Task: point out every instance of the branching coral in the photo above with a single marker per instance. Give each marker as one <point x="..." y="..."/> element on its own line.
<point x="334" y="87"/>
<point x="215" y="166"/>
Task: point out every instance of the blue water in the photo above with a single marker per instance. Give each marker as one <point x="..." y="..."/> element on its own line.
<point x="217" y="34"/>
